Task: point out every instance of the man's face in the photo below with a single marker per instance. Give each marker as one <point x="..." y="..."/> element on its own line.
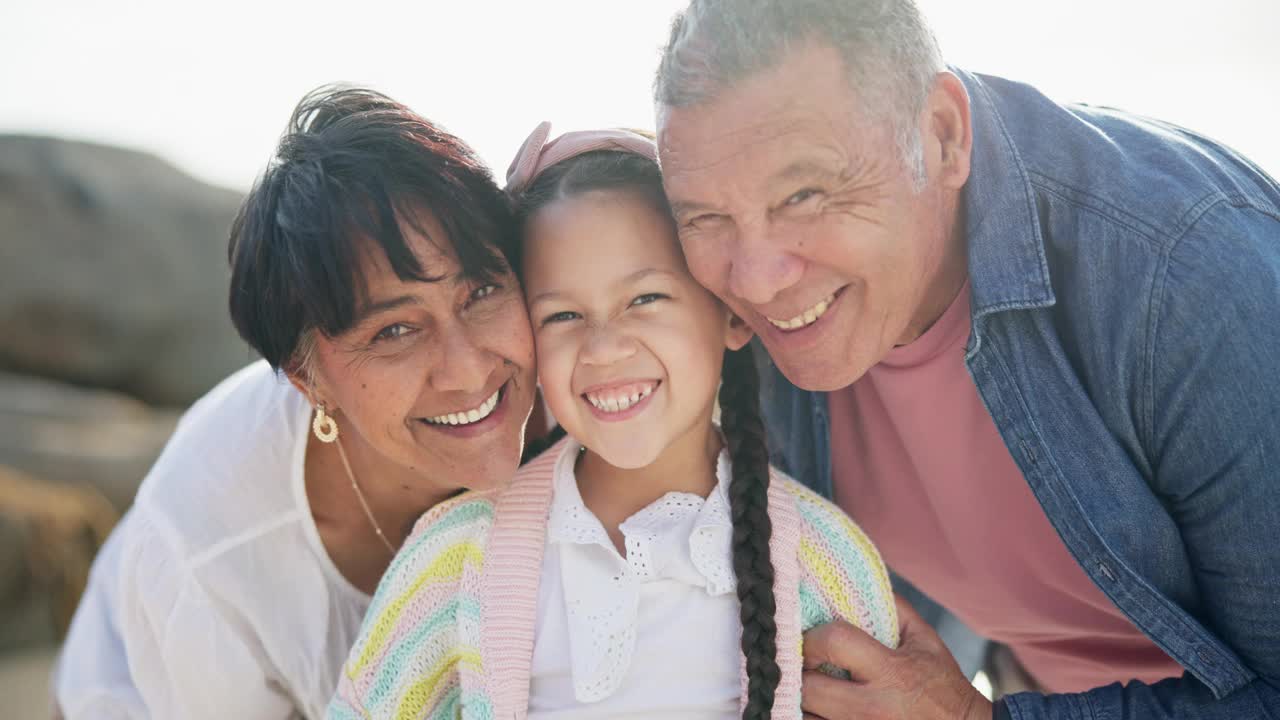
<point x="800" y="214"/>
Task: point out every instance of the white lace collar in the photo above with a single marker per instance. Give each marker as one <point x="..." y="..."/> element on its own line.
<point x="680" y="536"/>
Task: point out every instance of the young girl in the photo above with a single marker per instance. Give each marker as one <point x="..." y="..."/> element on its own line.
<point x="650" y="565"/>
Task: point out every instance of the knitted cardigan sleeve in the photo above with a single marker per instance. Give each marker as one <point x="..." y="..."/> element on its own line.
<point x="841" y="574"/>
<point x="420" y="638"/>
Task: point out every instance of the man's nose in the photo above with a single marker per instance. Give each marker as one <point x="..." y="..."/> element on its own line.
<point x="760" y="267"/>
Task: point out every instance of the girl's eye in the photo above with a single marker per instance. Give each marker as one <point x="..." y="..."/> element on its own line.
<point x="392" y="332"/>
<point x="562" y="316"/>
<point x="647" y="298"/>
<point x="483" y="291"/>
<point x="801" y="196"/>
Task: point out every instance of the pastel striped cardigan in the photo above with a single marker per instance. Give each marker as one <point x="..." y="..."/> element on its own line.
<point x="450" y="631"/>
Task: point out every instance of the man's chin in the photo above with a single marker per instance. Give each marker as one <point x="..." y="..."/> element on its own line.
<point x="816" y="372"/>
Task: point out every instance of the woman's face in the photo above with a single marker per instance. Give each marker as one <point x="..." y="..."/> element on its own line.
<point x="434" y="377"/>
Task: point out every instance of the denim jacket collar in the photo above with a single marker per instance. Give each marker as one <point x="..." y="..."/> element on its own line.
<point x="1007" y="265"/>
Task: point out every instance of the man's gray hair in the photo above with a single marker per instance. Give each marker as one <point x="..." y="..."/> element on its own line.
<point x="888" y="49"/>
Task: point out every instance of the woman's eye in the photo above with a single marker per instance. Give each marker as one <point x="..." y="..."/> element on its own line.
<point x="391" y="332"/>
<point x="801" y="196"/>
<point x="647" y="298"/>
<point x="484" y="291"/>
<point x="562" y="316"/>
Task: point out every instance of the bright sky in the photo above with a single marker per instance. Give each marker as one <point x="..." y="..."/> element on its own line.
<point x="209" y="86"/>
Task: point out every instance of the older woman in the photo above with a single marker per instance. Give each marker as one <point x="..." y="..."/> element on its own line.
<point x="371" y="270"/>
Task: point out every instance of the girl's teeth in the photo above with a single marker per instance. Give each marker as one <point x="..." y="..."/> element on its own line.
<point x="618" y="404"/>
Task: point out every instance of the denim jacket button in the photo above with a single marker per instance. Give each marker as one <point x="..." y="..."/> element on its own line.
<point x="1029" y="452"/>
<point x="1205" y="656"/>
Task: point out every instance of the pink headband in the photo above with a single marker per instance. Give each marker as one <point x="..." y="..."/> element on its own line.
<point x="536" y="154"/>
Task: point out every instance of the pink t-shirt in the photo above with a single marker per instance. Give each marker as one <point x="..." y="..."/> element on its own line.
<point x="918" y="462"/>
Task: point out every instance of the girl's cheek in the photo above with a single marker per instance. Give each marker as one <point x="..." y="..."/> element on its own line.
<point x="555" y="372"/>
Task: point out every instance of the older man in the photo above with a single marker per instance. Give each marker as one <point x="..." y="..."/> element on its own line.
<point x="1033" y="349"/>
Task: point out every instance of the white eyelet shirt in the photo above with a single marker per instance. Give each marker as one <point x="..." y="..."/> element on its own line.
<point x="214" y="597"/>
<point x="653" y="633"/>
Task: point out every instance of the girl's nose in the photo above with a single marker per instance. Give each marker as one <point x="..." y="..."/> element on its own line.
<point x="606" y="346"/>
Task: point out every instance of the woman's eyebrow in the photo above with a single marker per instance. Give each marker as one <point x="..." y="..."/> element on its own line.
<point x="368" y="310"/>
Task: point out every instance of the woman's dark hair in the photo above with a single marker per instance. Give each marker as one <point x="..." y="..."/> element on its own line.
<point x="351" y="167"/>
<point x="739" y="420"/>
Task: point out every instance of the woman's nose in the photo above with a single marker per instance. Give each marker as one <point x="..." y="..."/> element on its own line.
<point x="463" y="366"/>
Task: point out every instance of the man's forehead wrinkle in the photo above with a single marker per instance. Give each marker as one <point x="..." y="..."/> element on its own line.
<point x="738" y="141"/>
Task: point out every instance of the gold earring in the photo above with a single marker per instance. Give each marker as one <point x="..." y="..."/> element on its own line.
<point x="324" y="426"/>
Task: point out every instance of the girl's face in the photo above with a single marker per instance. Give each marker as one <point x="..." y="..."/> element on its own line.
<point x="629" y="345"/>
<point x="434" y="377"/>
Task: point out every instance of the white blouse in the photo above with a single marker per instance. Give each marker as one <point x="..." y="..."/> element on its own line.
<point x="655" y="633"/>
<point x="214" y="597"/>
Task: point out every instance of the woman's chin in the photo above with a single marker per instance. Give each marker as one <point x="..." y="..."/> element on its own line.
<point x="493" y="472"/>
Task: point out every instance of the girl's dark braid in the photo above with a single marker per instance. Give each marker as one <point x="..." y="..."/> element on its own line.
<point x="749" y="503"/>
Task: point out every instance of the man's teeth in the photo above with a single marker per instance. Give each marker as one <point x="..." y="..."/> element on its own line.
<point x="614" y="401"/>
<point x="808" y="317"/>
<point x="469" y="416"/>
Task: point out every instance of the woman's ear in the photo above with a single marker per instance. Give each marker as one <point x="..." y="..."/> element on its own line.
<point x="303" y="385"/>
<point x="737" y="333"/>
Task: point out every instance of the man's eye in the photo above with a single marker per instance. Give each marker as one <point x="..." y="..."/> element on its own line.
<point x="562" y="316"/>
<point x="801" y="196"/>
<point x="702" y="219"/>
<point x="391" y="332"/>
<point x="647" y="298"/>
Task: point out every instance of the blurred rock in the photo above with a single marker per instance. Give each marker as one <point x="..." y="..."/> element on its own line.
<point x="113" y="271"/>
<point x="24" y="684"/>
<point x="95" y="438"/>
<point x="56" y="529"/>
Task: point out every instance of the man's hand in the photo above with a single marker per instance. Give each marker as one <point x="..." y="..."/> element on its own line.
<point x="918" y="681"/>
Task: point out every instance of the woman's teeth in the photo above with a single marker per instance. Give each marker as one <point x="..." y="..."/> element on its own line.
<point x="808" y="317"/>
<point x="620" y="399"/>
<point x="470" y="416"/>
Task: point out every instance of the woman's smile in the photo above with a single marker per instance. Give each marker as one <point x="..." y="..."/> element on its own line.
<point x="476" y="421"/>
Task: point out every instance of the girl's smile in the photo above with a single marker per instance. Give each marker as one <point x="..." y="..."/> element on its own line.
<point x="615" y="402"/>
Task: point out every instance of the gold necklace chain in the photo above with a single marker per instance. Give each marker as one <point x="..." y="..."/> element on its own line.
<point x="363" y="503"/>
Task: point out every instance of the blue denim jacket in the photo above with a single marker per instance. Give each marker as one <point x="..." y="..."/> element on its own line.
<point x="1125" y="279"/>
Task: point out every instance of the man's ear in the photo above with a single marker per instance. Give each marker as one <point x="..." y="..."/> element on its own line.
<point x="737" y="333"/>
<point x="948" y="130"/>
